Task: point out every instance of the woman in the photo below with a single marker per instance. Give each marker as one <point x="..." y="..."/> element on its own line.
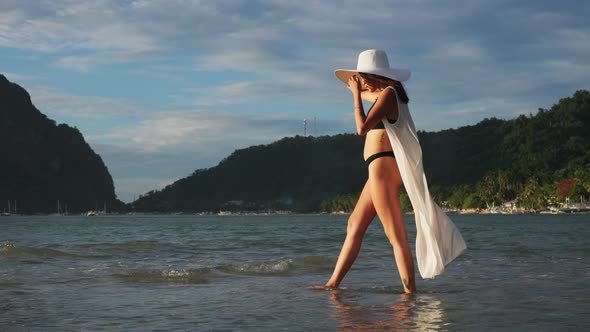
<point x="393" y="156"/>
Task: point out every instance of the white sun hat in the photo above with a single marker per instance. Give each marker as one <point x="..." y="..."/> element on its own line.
<point x="373" y="62"/>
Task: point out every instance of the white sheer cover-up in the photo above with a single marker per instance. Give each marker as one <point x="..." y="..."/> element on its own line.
<point x="438" y="241"/>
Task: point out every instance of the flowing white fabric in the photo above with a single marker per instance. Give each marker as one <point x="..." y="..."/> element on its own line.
<point x="438" y="241"/>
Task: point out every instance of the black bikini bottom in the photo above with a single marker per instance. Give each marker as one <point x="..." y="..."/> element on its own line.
<point x="379" y="155"/>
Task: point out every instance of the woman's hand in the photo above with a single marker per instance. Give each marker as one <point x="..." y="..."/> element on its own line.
<point x="355" y="84"/>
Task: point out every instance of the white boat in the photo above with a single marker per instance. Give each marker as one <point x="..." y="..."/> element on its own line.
<point x="568" y="207"/>
<point x="6" y="213"/>
<point x="96" y="211"/>
<point x="572" y="209"/>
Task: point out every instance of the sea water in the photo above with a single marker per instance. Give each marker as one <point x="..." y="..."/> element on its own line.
<point x="252" y="273"/>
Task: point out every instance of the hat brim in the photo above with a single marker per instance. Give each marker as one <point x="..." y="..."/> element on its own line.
<point x="391" y="73"/>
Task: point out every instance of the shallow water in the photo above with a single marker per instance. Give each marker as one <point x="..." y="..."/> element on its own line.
<point x="137" y="273"/>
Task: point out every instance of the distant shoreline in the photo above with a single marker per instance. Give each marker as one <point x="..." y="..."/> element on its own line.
<point x="283" y="213"/>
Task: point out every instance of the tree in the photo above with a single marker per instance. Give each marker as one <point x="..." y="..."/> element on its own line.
<point x="405" y="202"/>
<point x="487" y="189"/>
<point x="532" y="196"/>
<point x="473" y="201"/>
<point x="459" y="195"/>
<point x="582" y="176"/>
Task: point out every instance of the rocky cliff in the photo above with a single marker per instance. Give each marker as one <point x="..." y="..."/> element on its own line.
<point x="42" y="162"/>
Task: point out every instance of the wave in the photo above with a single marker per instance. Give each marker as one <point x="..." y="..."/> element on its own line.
<point x="129" y="247"/>
<point x="194" y="276"/>
<point x="281" y="267"/>
<point x="260" y="268"/>
<point x="9" y="249"/>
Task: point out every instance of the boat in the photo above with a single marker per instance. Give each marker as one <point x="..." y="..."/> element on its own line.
<point x="568" y="207"/>
<point x="96" y="211"/>
<point x="571" y="209"/>
<point x="6" y="213"/>
<point x="59" y="212"/>
<point x="225" y="213"/>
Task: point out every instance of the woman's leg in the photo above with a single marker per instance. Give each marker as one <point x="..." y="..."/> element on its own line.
<point x="385" y="186"/>
<point x="358" y="222"/>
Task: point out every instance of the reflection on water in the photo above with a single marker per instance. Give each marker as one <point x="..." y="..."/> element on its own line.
<point x="405" y="312"/>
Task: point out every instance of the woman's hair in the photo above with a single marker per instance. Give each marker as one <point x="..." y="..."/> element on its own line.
<point x="397" y="85"/>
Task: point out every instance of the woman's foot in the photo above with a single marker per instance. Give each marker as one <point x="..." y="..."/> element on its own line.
<point x="409" y="285"/>
<point x="323" y="287"/>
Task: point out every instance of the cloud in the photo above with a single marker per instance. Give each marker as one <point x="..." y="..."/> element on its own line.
<point x="14" y="77"/>
<point x="233" y="93"/>
<point x="199" y="130"/>
<point x="63" y="104"/>
<point x="85" y="63"/>
<point x="461" y="52"/>
<point x="292" y="47"/>
<point x="564" y="71"/>
<point x="136" y="171"/>
<point x="72" y="25"/>
<point x="167" y="146"/>
<point x="288" y="87"/>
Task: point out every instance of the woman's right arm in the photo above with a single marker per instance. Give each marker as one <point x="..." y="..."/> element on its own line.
<point x="385" y="105"/>
<point x="368" y="96"/>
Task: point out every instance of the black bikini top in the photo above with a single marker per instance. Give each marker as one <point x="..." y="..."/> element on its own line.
<point x="379" y="124"/>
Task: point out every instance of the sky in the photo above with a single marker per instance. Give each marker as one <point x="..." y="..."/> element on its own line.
<point x="162" y="88"/>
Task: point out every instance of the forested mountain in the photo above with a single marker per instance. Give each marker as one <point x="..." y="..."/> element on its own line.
<point x="541" y="144"/>
<point x="42" y="162"/>
<point x="487" y="163"/>
<point x="293" y="173"/>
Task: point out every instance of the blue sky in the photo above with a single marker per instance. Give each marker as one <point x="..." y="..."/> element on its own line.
<point x="161" y="88"/>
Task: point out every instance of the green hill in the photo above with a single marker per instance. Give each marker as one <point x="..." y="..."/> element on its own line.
<point x="492" y="161"/>
<point x="294" y="173"/>
<point x="43" y="163"/>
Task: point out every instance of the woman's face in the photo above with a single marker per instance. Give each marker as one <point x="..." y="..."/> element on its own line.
<point x="370" y="84"/>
